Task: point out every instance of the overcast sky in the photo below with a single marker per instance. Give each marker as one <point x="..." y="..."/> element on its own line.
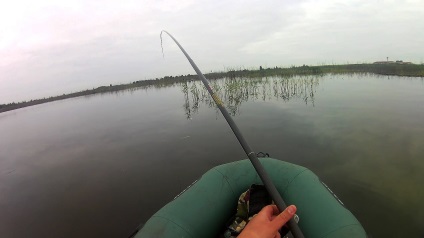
<point x="50" y="47"/>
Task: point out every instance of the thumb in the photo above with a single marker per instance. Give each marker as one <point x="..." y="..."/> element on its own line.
<point x="284" y="217"/>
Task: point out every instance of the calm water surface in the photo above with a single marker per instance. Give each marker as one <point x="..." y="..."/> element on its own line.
<point x="98" y="166"/>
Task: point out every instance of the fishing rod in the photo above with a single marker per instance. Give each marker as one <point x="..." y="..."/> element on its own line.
<point x="270" y="187"/>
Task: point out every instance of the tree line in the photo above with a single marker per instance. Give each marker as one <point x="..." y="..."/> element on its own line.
<point x="409" y="70"/>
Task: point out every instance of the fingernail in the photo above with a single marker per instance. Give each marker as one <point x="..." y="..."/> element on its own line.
<point x="291" y="209"/>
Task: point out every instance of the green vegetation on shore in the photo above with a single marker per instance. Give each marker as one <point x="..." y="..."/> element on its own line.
<point x="410" y="70"/>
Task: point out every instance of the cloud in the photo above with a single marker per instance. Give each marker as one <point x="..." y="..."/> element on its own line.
<point x="53" y="47"/>
<point x="347" y="31"/>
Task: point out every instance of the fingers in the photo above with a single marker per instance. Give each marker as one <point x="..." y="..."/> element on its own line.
<point x="284" y="217"/>
<point x="270" y="211"/>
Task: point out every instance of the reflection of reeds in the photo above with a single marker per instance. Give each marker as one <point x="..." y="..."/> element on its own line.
<point x="299" y="87"/>
<point x="413" y="70"/>
<point x="235" y="91"/>
<point x="184" y="88"/>
<point x="195" y="97"/>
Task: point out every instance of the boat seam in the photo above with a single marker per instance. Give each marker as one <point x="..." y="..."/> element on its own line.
<point x="288" y="185"/>
<point x="174" y="224"/>
<point x="226" y="179"/>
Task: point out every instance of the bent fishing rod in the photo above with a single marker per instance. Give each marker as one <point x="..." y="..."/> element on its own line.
<point x="272" y="190"/>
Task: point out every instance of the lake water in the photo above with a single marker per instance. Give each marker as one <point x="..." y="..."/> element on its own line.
<point x="99" y="166"/>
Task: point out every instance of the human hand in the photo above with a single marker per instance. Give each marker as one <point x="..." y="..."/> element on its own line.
<point x="267" y="222"/>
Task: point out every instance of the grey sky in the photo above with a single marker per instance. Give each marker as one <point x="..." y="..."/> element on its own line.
<point x="52" y="47"/>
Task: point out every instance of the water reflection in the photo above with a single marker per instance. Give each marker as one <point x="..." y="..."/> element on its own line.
<point x="235" y="91"/>
<point x="64" y="158"/>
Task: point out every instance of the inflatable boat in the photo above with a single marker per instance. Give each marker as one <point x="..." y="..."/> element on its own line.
<point x="203" y="209"/>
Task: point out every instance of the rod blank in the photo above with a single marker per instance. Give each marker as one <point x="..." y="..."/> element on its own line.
<point x="272" y="190"/>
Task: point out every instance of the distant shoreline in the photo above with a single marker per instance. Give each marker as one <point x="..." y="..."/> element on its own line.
<point x="396" y="69"/>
